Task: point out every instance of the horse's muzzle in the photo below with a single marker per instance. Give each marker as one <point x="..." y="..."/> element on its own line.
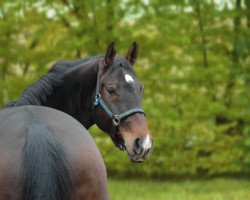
<point x="141" y="149"/>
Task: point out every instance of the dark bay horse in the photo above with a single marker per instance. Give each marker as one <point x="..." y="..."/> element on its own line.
<point x="45" y="154"/>
<point x="101" y="90"/>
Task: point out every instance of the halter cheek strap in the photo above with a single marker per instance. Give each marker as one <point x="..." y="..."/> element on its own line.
<point x="116" y="119"/>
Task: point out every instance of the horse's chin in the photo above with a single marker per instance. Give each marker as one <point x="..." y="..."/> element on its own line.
<point x="121" y="147"/>
<point x="135" y="159"/>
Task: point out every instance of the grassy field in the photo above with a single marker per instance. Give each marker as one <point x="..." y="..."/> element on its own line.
<point x="216" y="189"/>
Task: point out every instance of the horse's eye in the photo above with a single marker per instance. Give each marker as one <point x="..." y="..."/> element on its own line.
<point x="110" y="91"/>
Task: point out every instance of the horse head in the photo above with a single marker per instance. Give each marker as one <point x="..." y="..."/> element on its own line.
<point x="117" y="104"/>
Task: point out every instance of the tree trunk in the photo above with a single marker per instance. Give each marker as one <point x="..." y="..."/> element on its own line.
<point x="202" y="34"/>
<point x="4" y="70"/>
<point x="27" y="64"/>
<point x="237" y="22"/>
<point x="26" y="68"/>
<point x="247" y="2"/>
<point x="110" y="17"/>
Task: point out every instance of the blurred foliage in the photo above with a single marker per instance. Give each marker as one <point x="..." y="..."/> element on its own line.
<point x="194" y="62"/>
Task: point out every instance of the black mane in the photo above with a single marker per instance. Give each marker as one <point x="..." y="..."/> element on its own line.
<point x="37" y="93"/>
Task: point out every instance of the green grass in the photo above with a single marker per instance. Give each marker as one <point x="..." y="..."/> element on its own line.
<point x="216" y="189"/>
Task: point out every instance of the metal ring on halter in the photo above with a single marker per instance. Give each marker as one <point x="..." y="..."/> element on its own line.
<point x="98" y="96"/>
<point x="116" y="120"/>
<point x="97" y="99"/>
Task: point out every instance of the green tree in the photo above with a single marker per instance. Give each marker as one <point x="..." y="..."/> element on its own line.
<point x="194" y="62"/>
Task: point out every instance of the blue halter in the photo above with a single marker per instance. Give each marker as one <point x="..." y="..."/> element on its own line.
<point x="116" y="119"/>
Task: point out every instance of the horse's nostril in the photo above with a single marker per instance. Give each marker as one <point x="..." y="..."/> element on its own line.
<point x="137" y="147"/>
<point x="137" y="142"/>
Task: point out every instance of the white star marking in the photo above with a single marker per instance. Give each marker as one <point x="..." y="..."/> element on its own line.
<point x="129" y="78"/>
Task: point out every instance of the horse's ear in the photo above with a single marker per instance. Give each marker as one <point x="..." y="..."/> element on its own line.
<point x="132" y="53"/>
<point x="110" y="54"/>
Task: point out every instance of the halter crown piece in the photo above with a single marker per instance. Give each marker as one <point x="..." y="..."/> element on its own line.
<point x="116" y="119"/>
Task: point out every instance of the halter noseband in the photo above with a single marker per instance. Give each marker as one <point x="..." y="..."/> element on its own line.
<point x="116" y="119"/>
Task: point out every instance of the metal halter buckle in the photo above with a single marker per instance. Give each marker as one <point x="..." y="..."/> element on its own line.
<point x="116" y="120"/>
<point x="97" y="99"/>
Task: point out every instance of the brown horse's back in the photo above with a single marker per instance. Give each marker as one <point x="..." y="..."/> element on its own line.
<point x="86" y="167"/>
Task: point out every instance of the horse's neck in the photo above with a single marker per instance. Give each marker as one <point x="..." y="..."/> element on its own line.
<point x="70" y="92"/>
<point x="75" y="95"/>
